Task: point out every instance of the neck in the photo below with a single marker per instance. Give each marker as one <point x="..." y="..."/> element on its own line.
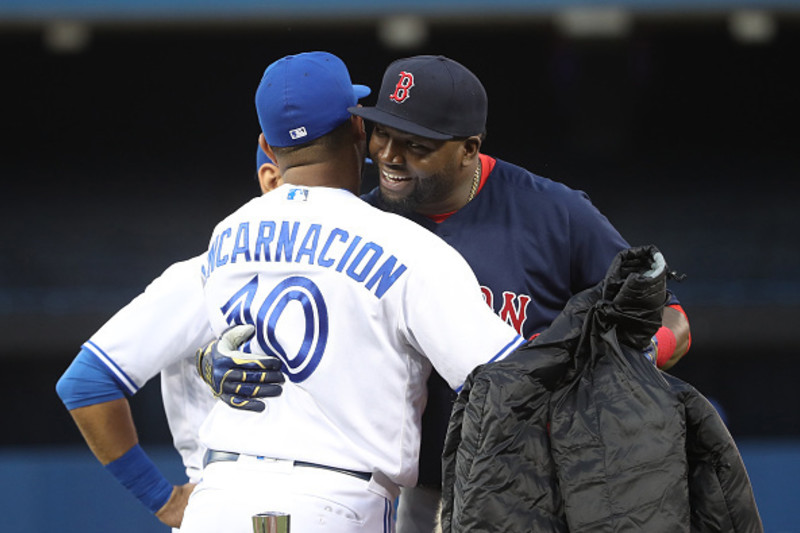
<point x="337" y="173"/>
<point x="462" y="193"/>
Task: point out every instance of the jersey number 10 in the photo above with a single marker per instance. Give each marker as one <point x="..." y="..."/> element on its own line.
<point x="291" y="292"/>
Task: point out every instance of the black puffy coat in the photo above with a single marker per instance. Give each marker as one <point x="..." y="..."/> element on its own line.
<point x="578" y="432"/>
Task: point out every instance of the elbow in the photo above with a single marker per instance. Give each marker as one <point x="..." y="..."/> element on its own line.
<point x="675" y="319"/>
<point x="87" y="382"/>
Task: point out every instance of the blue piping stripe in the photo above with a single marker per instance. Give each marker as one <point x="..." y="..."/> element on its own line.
<point x="123" y="378"/>
<point x="510" y="347"/>
<point x="518" y="341"/>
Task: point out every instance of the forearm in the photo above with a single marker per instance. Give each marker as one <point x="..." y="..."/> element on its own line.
<point x="109" y="431"/>
<point x="111" y="435"/>
<point x="107" y="428"/>
<point x="675" y="320"/>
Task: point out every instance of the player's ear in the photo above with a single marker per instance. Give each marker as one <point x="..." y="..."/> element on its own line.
<point x="358" y="126"/>
<point x="471" y="148"/>
<point x="269" y="177"/>
<point x="269" y="174"/>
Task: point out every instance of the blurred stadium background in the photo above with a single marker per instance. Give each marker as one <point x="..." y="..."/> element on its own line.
<point x="129" y="130"/>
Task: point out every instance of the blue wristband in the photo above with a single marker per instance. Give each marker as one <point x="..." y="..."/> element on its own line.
<point x="138" y="474"/>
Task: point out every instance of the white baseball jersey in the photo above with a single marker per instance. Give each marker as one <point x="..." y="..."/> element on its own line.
<point x="159" y="331"/>
<point x="357" y="303"/>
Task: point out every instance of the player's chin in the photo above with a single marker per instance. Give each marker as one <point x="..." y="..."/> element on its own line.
<point x="397" y="201"/>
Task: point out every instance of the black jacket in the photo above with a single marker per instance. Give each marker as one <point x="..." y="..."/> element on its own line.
<point x="578" y="432"/>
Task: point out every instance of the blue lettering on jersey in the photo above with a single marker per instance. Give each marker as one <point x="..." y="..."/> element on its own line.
<point x="208" y="268"/>
<point x="347" y="254"/>
<point x="240" y="246"/>
<point x="237" y="308"/>
<point x="286" y="241"/>
<point x="309" y="245"/>
<point x="362" y="261"/>
<point x="266" y="232"/>
<point x="222" y="259"/>
<point x="324" y="260"/>
<point x="385" y="277"/>
<point x="369" y="248"/>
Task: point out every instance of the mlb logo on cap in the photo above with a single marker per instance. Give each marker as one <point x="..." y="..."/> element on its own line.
<point x="298" y="133"/>
<point x="303" y="97"/>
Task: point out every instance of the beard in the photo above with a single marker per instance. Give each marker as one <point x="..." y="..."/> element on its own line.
<point x="427" y="191"/>
<point x="401" y="205"/>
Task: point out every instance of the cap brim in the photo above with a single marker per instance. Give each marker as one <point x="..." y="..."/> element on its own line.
<point x="393" y="121"/>
<point x="361" y="91"/>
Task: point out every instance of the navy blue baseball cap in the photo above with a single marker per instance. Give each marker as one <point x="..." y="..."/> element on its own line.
<point x="430" y="96"/>
<point x="305" y="96"/>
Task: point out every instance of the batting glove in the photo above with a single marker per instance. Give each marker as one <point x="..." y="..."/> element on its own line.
<point x="236" y="377"/>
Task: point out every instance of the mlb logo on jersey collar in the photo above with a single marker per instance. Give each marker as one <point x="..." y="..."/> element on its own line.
<point x="299" y="194"/>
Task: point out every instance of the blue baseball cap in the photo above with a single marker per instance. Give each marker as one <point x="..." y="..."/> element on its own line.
<point x="262" y="158"/>
<point x="304" y="96"/>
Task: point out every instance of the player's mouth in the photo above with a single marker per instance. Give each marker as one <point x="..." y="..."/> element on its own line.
<point x="394" y="182"/>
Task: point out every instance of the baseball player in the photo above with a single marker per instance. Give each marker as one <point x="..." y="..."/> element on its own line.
<point x="159" y="331"/>
<point x="328" y="284"/>
<point x="531" y="242"/>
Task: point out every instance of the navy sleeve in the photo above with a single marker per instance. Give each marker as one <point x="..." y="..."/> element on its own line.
<point x="595" y="243"/>
<point x="88" y="381"/>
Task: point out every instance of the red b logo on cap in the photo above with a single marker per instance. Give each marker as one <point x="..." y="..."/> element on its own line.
<point x="401" y="90"/>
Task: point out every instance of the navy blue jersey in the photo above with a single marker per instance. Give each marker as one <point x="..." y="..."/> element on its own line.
<point x="532" y="243"/>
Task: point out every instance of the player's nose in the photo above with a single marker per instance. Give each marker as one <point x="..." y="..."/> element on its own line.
<point x="389" y="152"/>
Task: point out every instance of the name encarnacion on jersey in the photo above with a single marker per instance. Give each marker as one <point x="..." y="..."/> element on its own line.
<point x="285" y="241"/>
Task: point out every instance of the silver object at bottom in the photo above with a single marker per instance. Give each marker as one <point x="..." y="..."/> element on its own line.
<point x="271" y="522"/>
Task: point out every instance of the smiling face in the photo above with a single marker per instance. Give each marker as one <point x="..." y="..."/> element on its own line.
<point x="422" y="175"/>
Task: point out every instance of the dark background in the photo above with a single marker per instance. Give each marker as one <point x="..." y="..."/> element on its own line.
<point x="119" y="159"/>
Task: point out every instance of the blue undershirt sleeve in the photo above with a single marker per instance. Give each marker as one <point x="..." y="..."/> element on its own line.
<point x="88" y="381"/>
